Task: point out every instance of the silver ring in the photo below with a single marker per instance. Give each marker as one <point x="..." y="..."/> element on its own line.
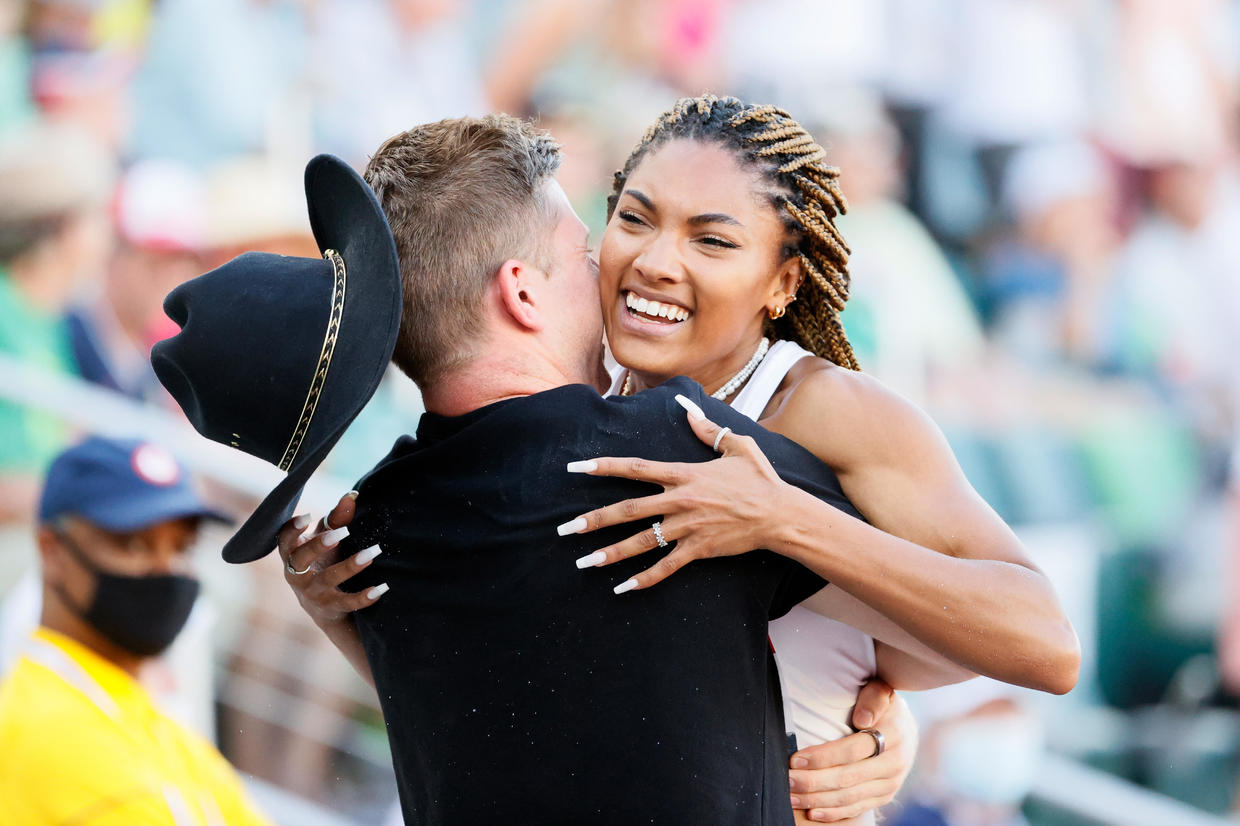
<point x="288" y="566"/>
<point x="658" y="533"/>
<point x="880" y="742"/>
<point x="719" y="438"/>
<point x="326" y="524"/>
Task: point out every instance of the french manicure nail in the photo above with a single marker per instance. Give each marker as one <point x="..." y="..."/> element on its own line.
<point x="795" y="801"/>
<point x="332" y="538"/>
<point x="583" y="466"/>
<point x="694" y="411"/>
<point x="800" y="763"/>
<point x="301" y="520"/>
<point x="377" y="591"/>
<point x="572" y="526"/>
<point x="365" y="556"/>
<point x="591" y="560"/>
<point x="352" y="494"/>
<point x="625" y="587"/>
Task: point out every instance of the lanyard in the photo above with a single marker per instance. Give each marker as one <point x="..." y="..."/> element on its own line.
<point x="63" y="666"/>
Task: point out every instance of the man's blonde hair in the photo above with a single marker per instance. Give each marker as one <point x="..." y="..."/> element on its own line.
<point x="462" y="196"/>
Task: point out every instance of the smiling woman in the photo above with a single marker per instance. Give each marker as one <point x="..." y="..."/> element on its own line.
<point x="721" y="219"/>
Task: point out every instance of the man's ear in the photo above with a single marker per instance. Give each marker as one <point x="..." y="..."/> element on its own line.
<point x="51" y="553"/>
<point x="517" y="284"/>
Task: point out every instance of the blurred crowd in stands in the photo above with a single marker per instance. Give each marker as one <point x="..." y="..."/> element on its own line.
<point x="1045" y="231"/>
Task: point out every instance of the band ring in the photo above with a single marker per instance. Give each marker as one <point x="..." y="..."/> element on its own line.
<point x="880" y="742"/>
<point x="658" y="534"/>
<point x="288" y="566"/>
<point x="719" y="438"/>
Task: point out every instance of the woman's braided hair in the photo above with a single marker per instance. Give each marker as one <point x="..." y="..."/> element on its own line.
<point x="807" y="198"/>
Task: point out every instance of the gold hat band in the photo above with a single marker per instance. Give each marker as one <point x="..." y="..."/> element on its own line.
<point x="325" y="360"/>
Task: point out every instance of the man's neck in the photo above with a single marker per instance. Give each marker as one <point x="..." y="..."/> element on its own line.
<point x="494" y="376"/>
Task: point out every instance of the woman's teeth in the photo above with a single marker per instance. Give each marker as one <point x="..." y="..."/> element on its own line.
<point x="654" y="309"/>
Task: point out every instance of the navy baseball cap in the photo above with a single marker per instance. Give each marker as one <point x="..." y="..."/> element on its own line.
<point x="121" y="485"/>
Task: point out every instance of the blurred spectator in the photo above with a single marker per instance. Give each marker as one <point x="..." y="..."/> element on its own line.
<point x="1167" y="78"/>
<point x="1050" y="286"/>
<point x="115" y="521"/>
<point x="980" y="755"/>
<point x="16" y="106"/>
<point x="54" y="183"/>
<point x="395" y="63"/>
<point x="221" y="78"/>
<point x="159" y="215"/>
<point x="898" y="272"/>
<point x="1180" y="282"/>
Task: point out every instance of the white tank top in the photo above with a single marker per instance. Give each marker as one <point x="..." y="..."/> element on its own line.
<point x="823" y="663"/>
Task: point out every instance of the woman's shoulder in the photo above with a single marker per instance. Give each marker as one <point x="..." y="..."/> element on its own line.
<point x="837" y="413"/>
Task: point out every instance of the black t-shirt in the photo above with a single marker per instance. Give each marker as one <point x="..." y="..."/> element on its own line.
<point x="519" y="689"/>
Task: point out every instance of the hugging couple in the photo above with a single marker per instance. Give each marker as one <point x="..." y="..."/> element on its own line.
<point x="570" y="588"/>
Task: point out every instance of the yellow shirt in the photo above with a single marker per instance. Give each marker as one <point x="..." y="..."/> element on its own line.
<point x="81" y="743"/>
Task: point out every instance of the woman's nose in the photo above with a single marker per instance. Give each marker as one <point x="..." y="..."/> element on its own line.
<point x="659" y="260"/>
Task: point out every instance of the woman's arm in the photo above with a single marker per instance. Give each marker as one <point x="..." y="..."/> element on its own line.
<point x="936" y="560"/>
<point x="903" y="661"/>
<point x="318" y="588"/>
<point x="935" y="557"/>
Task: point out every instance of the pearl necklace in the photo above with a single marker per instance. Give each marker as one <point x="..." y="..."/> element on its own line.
<point x="732" y="383"/>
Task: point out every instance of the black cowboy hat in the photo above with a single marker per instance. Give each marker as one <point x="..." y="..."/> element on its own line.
<point x="278" y="354"/>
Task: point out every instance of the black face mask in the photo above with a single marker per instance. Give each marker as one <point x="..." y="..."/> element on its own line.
<point x="140" y="614"/>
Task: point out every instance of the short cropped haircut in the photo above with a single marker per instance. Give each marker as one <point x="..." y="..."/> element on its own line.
<point x="462" y="196"/>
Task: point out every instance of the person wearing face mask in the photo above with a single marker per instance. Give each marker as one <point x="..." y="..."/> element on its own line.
<point x="82" y="740"/>
<point x="982" y="751"/>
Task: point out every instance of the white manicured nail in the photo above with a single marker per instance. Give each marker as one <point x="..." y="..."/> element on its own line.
<point x="332" y="538"/>
<point x="695" y="412"/>
<point x="590" y="560"/>
<point x="572" y="526"/>
<point x="352" y="494"/>
<point x="367" y="555"/>
<point x="626" y="586"/>
<point x="584" y="466"/>
<point x="377" y="591"/>
<point x="301" y="520"/>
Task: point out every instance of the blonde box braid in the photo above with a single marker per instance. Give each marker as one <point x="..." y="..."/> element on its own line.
<point x="807" y="196"/>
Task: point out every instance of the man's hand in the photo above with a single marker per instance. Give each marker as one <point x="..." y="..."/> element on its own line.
<point x="314" y="570"/>
<point x="844" y="778"/>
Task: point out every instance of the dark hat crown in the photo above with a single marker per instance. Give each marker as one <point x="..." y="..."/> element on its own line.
<point x="253" y="336"/>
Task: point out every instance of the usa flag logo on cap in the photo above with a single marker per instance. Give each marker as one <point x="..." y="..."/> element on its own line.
<point x="155" y="466"/>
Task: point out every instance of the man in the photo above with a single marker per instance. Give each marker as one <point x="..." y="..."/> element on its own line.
<point x="512" y="684"/>
<point x="83" y="741"/>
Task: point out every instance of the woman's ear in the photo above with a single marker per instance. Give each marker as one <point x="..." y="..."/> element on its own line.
<point x="791" y="274"/>
<point x="517" y="284"/>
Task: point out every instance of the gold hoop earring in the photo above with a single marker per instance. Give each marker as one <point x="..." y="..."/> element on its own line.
<point x="776" y="313"/>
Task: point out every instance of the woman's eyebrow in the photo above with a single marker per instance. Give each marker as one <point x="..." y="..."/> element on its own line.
<point x="706" y="217"/>
<point x="640" y="198"/>
<point x="716" y="218"/>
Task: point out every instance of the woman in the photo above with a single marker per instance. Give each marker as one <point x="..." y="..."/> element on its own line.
<point x="721" y="237"/>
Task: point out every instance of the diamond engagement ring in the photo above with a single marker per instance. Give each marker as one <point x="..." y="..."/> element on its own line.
<point x="288" y="566"/>
<point x="658" y="533"/>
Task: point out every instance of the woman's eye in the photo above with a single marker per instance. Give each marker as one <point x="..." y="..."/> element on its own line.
<point x="629" y="217"/>
<point x="718" y="242"/>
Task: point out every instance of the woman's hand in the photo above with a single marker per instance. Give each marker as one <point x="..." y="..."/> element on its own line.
<point x="314" y="570"/>
<point x="720" y="508"/>
<point x="841" y="779"/>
